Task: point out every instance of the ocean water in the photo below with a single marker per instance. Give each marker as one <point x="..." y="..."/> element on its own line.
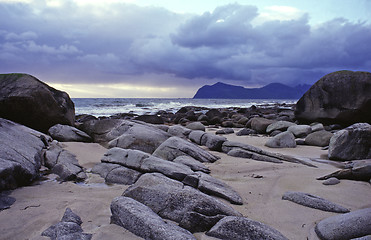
<point x="111" y="106"/>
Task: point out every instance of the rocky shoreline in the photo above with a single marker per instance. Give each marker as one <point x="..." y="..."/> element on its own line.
<point x="197" y="174"/>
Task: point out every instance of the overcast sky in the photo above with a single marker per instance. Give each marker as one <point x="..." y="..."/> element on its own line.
<point x="170" y="48"/>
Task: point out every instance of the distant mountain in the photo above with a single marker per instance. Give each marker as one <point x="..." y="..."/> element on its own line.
<point x="270" y="91"/>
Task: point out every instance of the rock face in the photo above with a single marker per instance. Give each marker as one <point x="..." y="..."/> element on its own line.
<point x="65" y="133"/>
<point x="27" y="100"/>
<point x="340" y="97"/>
<point x="345" y="226"/>
<point x="312" y="201"/>
<point x="351" y="143"/>
<point x="243" y="228"/>
<point x="20" y="154"/>
<point x="173" y="200"/>
<point x="143" y="222"/>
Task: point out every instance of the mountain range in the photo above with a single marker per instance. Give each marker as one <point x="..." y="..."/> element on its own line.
<point x="271" y="91"/>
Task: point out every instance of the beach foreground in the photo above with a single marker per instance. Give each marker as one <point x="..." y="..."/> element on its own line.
<point x="260" y="184"/>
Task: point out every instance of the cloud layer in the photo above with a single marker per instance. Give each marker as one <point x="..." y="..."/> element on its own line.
<point x="70" y="43"/>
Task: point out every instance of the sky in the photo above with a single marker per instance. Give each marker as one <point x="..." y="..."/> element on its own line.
<point x="170" y="48"/>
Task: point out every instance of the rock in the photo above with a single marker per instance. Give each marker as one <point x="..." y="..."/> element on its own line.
<point x="212" y="113"/>
<point x="140" y="137"/>
<point x="122" y="175"/>
<point x="65" y="133"/>
<point x="282" y="140"/>
<point x="245" y="131"/>
<point x="225" y="131"/>
<point x="275" y="133"/>
<point x="173" y="200"/>
<point x="196" y="126"/>
<point x="351" y="143"/>
<point x="63" y="163"/>
<point x="30" y="102"/>
<point x="213" y="142"/>
<point x="20" y="154"/>
<point x="317" y="127"/>
<point x="175" y="147"/>
<point x="68" y="228"/>
<point x="260" y="124"/>
<point x="325" y="101"/>
<point x="345" y="226"/>
<point x="319" y="138"/>
<point x="6" y="201"/>
<point x="196" y="136"/>
<point x="213" y="186"/>
<point x="300" y="131"/>
<point x="153" y="119"/>
<point x="280" y="125"/>
<point x="203" y="118"/>
<point x="231" y="227"/>
<point x="227" y="124"/>
<point x="192" y="163"/>
<point x="242" y="153"/>
<point x="179" y="131"/>
<point x="315" y="202"/>
<point x="331" y="181"/>
<point x="355" y="170"/>
<point x="243" y="120"/>
<point x="143" y="162"/>
<point x="143" y="222"/>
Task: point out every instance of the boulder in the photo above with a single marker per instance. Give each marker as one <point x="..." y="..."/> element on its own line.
<point x="351" y="143"/>
<point x="317" y="127"/>
<point x="179" y="131"/>
<point x="6" y="201"/>
<point x="196" y="136"/>
<point x="345" y="226"/>
<point x="225" y="131"/>
<point x="65" y="133"/>
<point x="20" y="154"/>
<point x="319" y="138"/>
<point x="173" y="200"/>
<point x="279" y="125"/>
<point x="26" y="100"/>
<point x="325" y="101"/>
<point x="313" y="201"/>
<point x="212" y="141"/>
<point x="175" y="147"/>
<point x="260" y="124"/>
<point x="143" y="222"/>
<point x="300" y="131"/>
<point x="231" y="227"/>
<point x="153" y="119"/>
<point x="192" y="163"/>
<point x="140" y="137"/>
<point x="355" y="170"/>
<point x="245" y="131"/>
<point x="331" y="181"/>
<point x="196" y="126"/>
<point x="282" y="140"/>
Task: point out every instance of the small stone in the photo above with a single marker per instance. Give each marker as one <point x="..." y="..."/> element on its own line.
<point x="331" y="181"/>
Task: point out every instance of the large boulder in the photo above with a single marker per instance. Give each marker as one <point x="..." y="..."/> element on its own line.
<point x="27" y="100"/>
<point x="173" y="200"/>
<point x="143" y="222"/>
<point x="260" y="124"/>
<point x="319" y="138"/>
<point x="300" y="130"/>
<point x="20" y="154"/>
<point x="351" y="143"/>
<point x="345" y="226"/>
<point x="65" y="133"/>
<point x="340" y="97"/>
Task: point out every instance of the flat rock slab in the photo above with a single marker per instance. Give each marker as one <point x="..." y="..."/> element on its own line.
<point x="143" y="222"/>
<point x="66" y="133"/>
<point x="243" y="228"/>
<point x="345" y="226"/>
<point x="313" y="201"/>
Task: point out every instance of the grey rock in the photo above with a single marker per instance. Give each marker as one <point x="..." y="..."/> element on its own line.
<point x="355" y="170"/>
<point x="243" y="120"/>
<point x="70" y="216"/>
<point x="20" y="154"/>
<point x="196" y="136"/>
<point x="60" y="229"/>
<point x="122" y="175"/>
<point x="104" y="168"/>
<point x="275" y="133"/>
<point x="282" y="140"/>
<point x="260" y="124"/>
<point x="173" y="200"/>
<point x="242" y="153"/>
<point x="317" y="127"/>
<point x="280" y="125"/>
<point x="300" y="131"/>
<point x="345" y="226"/>
<point x="325" y="101"/>
<point x="143" y="162"/>
<point x="245" y="131"/>
<point x="179" y="131"/>
<point x="65" y="133"/>
<point x="190" y="218"/>
<point x="313" y="201"/>
<point x="153" y="119"/>
<point x="231" y="227"/>
<point x="212" y="141"/>
<point x="143" y="222"/>
<point x="225" y="131"/>
<point x="28" y="101"/>
<point x="76" y="236"/>
<point x="6" y="201"/>
<point x="140" y="137"/>
<point x="196" y="126"/>
<point x="227" y="124"/>
<point x="300" y="141"/>
<point x="319" y="138"/>
<point x="175" y="147"/>
<point x="192" y="163"/>
<point x="213" y="186"/>
<point x="331" y="181"/>
<point x="351" y="143"/>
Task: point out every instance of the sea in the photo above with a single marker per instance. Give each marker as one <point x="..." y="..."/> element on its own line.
<point x="100" y="107"/>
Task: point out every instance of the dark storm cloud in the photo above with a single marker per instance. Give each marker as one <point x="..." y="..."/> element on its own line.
<point x="89" y="44"/>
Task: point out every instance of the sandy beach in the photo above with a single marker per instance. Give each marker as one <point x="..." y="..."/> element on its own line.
<point x="260" y="184"/>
